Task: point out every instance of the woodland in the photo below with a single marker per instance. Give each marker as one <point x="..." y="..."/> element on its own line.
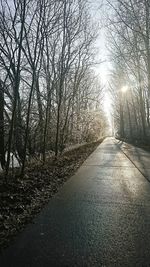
<point x="52" y="114"/>
<point x="50" y="97"/>
<point x="129" y="35"/>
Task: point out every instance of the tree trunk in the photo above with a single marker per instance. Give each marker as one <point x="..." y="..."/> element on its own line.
<point x="16" y="86"/>
<point x="2" y="146"/>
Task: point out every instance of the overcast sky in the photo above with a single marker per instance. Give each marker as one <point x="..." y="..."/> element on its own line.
<point x="99" y="11"/>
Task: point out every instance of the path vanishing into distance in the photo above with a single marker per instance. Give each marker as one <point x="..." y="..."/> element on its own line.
<point x="100" y="217"/>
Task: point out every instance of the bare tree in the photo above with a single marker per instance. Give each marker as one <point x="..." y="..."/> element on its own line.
<point x="130" y="50"/>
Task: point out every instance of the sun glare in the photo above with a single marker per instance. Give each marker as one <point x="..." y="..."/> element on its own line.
<point x="124" y="89"/>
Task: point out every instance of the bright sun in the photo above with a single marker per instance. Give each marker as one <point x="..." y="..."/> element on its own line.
<point x="124" y="89"/>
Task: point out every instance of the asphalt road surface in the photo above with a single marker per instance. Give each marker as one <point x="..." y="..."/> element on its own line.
<point x="101" y="217"/>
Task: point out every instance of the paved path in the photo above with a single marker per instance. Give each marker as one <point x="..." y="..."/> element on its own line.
<point x="101" y="217"/>
<point x="139" y="156"/>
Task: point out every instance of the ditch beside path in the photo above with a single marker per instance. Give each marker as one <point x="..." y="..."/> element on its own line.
<point x="100" y="217"/>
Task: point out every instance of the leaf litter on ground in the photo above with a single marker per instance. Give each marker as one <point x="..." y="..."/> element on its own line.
<point x="22" y="198"/>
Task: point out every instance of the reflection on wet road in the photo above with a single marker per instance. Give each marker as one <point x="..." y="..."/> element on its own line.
<point x="138" y="156"/>
<point x="101" y="217"/>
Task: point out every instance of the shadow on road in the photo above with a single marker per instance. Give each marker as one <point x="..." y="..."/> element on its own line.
<point x="138" y="156"/>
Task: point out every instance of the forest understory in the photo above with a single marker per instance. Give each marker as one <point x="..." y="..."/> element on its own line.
<point x="22" y="198"/>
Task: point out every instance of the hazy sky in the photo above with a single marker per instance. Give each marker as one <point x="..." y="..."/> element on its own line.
<point x="99" y="11"/>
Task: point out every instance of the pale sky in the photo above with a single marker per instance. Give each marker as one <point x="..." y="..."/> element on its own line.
<point x="98" y="15"/>
<point x="98" y="11"/>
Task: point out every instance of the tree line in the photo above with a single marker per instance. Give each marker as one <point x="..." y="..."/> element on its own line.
<point x="49" y="94"/>
<point x="129" y="36"/>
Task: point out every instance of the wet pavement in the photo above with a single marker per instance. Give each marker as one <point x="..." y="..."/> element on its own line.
<point x="139" y="157"/>
<point x="101" y="217"/>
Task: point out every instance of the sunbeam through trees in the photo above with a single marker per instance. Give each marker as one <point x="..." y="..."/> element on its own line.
<point x="129" y="36"/>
